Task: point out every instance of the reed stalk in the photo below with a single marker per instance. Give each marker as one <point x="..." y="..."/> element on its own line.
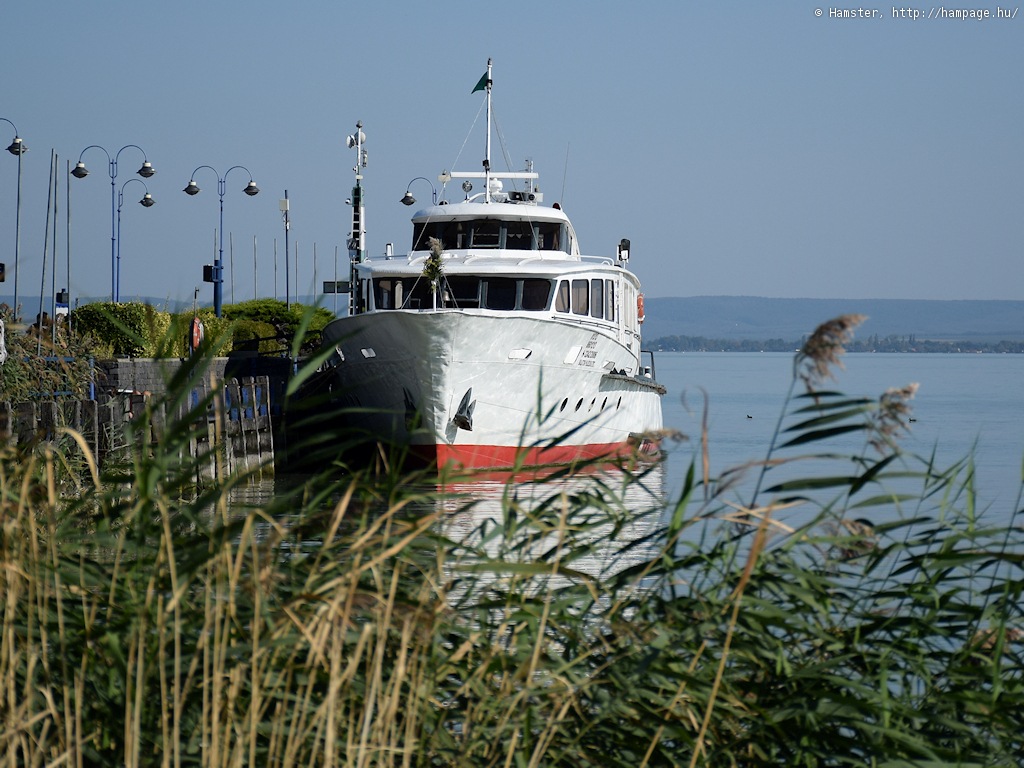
<point x="866" y="615"/>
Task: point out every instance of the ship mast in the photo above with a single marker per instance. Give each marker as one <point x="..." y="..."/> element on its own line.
<point x="357" y="237"/>
<point x="487" y="174"/>
<point x="487" y="149"/>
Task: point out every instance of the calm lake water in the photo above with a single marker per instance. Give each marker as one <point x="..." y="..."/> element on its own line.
<point x="965" y="402"/>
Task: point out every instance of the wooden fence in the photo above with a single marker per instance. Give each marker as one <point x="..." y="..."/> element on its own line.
<point x="235" y="427"/>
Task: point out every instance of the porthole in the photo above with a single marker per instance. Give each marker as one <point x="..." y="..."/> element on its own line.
<point x="619" y="404"/>
<point x="592" y="404"/>
<point x="579" y="404"/>
<point x="565" y="402"/>
<point x="604" y="403"/>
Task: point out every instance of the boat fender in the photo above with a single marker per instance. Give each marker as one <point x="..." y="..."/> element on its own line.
<point x="640" y="308"/>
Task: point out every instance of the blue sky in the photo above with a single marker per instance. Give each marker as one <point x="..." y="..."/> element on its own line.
<point x="744" y="148"/>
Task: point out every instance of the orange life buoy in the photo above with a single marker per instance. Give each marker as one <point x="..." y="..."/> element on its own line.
<point x="640" y="308"/>
<point x="197" y="333"/>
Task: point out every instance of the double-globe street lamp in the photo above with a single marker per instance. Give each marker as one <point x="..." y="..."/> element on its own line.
<point x="80" y="172"/>
<point x="147" y="201"/>
<point x="17" y="148"/>
<point x="218" y="268"/>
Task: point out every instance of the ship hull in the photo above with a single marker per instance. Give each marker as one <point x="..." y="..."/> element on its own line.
<point x="477" y="390"/>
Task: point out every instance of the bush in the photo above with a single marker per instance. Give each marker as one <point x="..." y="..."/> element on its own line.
<point x="132" y="329"/>
<point x="128" y="329"/>
<point x="254" y="336"/>
<point x="286" y="319"/>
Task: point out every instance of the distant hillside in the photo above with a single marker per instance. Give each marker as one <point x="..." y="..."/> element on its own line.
<point x="754" y="318"/>
<point x="758" y="319"/>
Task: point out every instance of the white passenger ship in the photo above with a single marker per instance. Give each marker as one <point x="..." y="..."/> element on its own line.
<point x="494" y="342"/>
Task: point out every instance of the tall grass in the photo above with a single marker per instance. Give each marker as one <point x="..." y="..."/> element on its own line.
<point x="869" y="615"/>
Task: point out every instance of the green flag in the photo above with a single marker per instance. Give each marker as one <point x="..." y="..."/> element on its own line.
<point x="483" y="83"/>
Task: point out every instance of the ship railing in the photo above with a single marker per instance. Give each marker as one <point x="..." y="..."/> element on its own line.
<point x="599" y="259"/>
<point x="648" y="370"/>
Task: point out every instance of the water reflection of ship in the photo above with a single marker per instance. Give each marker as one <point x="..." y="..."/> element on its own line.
<point x="534" y="533"/>
<point x="549" y="530"/>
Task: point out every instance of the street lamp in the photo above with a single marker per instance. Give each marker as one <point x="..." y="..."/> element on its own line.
<point x="193" y="189"/>
<point x="408" y="199"/>
<point x="147" y="201"/>
<point x="17" y="148"/>
<point x="80" y="172"/>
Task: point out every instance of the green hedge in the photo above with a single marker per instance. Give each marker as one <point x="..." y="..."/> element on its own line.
<point x="134" y="329"/>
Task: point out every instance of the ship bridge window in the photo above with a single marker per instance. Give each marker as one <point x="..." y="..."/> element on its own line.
<point x="485" y="233"/>
<point x="551" y="236"/>
<point x="520" y="236"/>
<point x="452" y="235"/>
<point x="492" y="233"/>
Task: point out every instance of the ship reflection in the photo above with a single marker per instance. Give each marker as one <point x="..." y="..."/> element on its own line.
<point x="528" y="534"/>
<point x="590" y="534"/>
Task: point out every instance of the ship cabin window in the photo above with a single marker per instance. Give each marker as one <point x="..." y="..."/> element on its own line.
<point x="499" y="293"/>
<point x="401" y="293"/>
<point x="581" y="297"/>
<point x="462" y="291"/>
<point x="522" y="235"/>
<point x="597" y="298"/>
<point x="505" y="294"/>
<point x="562" y="296"/>
<point x="536" y="294"/>
<point x="592" y="298"/>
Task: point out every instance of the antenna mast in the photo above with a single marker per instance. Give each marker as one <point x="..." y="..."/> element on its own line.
<point x="357" y="237"/>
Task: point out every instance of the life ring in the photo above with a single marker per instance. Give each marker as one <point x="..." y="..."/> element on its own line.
<point x="196" y="337"/>
<point x="640" y="308"/>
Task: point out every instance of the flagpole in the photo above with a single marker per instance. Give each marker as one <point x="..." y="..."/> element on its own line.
<point x="487" y="155"/>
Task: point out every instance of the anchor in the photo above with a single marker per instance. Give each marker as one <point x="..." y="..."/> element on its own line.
<point x="463" y="417"/>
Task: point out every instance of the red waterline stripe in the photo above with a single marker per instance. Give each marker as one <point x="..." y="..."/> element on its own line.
<point x="505" y="456"/>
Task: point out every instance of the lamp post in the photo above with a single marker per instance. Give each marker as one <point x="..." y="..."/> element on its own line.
<point x="147" y="201"/>
<point x="408" y="199"/>
<point x="80" y="172"/>
<point x="192" y="189"/>
<point x="17" y="148"/>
